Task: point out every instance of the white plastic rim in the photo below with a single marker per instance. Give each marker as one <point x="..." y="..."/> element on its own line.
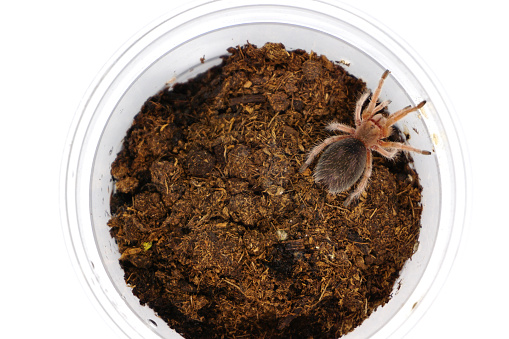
<point x="169" y="50"/>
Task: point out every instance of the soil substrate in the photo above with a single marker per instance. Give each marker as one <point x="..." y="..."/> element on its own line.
<point x="218" y="231"/>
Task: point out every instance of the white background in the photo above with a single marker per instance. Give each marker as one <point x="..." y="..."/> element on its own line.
<point x="52" y="50"/>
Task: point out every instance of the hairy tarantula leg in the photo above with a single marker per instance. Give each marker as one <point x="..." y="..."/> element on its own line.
<point x="358" y="107"/>
<point x="396" y="116"/>
<point x="336" y="126"/>
<point x="382" y="105"/>
<point x="320" y="147"/>
<point x="370" y="110"/>
<point x="364" y="180"/>
<point x="398" y="145"/>
<point x="386" y="153"/>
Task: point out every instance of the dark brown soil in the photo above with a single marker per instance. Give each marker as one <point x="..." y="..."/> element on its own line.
<point x="219" y="232"/>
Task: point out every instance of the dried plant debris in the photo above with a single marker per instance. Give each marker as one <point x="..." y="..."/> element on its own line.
<point x="218" y="231"/>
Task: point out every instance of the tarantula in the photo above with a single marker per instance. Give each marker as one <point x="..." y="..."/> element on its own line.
<point x="348" y="156"/>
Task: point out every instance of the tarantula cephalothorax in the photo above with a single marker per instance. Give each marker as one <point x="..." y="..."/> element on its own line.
<point x="348" y="156"/>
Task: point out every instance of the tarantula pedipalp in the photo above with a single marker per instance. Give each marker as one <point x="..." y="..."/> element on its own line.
<point x="348" y="156"/>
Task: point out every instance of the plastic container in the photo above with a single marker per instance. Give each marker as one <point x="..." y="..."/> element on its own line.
<point x="170" y="50"/>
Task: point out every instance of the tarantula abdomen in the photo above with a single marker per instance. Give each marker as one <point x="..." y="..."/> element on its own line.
<point x="341" y="164"/>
